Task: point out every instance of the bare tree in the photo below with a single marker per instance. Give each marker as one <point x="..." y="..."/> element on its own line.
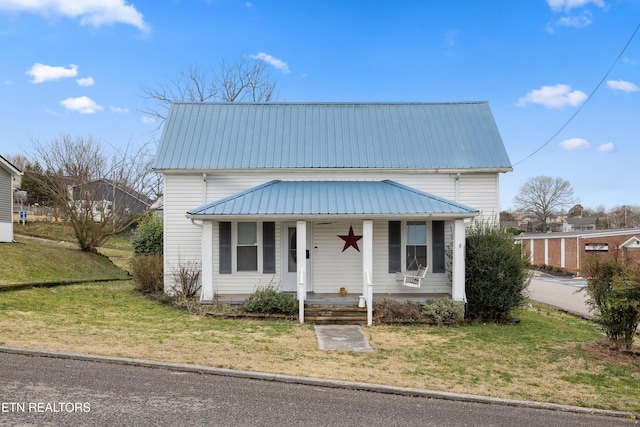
<point x="543" y="197"/>
<point x="625" y="216"/>
<point x="18" y="160"/>
<point x="243" y="80"/>
<point x="100" y="193"/>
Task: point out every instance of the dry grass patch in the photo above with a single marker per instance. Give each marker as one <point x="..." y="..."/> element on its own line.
<point x="548" y="357"/>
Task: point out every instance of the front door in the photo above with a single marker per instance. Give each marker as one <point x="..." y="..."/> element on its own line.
<point x="289" y="258"/>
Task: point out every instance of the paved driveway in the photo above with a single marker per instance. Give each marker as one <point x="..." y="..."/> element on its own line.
<point x="565" y="294"/>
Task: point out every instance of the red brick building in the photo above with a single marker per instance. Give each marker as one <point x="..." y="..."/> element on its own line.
<point x="569" y="250"/>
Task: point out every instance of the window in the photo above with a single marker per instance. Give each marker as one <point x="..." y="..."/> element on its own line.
<point x="254" y="244"/>
<point x="416" y="244"/>
<point x="247" y="247"/>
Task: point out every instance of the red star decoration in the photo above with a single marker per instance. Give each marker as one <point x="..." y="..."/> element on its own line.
<point x="350" y="240"/>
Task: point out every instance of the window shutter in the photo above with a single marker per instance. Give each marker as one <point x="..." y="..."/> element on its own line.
<point x="224" y="247"/>
<point x="438" y="247"/>
<point x="395" y="246"/>
<point x="269" y="247"/>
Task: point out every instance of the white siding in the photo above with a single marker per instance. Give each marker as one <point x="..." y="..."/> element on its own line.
<point x="332" y="268"/>
<point x="182" y="242"/>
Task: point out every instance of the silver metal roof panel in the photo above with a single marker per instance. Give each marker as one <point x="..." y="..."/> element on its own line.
<point x="333" y="198"/>
<point x="206" y="136"/>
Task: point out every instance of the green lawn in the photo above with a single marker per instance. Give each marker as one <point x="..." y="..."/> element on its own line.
<point x="29" y="261"/>
<point x="547" y="357"/>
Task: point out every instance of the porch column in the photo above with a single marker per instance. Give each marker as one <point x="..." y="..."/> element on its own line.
<point x="301" y="256"/>
<point x="457" y="263"/>
<point x="206" y="292"/>
<point x="367" y="265"/>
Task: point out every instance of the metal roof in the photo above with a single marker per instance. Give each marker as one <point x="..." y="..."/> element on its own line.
<point x="206" y="136"/>
<point x="333" y="198"/>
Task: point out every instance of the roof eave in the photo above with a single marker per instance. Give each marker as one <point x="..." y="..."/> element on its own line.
<point x="325" y="217"/>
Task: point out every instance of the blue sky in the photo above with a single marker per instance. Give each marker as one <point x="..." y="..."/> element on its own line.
<point x="77" y="68"/>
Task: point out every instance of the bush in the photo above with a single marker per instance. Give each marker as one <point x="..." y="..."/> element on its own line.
<point x="270" y="300"/>
<point x="186" y="279"/>
<point x="389" y="310"/>
<point x="148" y="236"/>
<point x="444" y="311"/>
<point x="148" y="273"/>
<point x="614" y="292"/>
<point x="496" y="273"/>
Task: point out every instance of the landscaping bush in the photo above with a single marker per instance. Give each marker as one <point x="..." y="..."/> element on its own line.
<point x="496" y="273"/>
<point x="186" y="279"/>
<point x="444" y="311"/>
<point x="389" y="310"/>
<point x="148" y="236"/>
<point x="270" y="300"/>
<point x="148" y="273"/>
<point x="614" y="292"/>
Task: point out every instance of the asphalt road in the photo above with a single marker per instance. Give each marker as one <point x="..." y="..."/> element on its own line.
<point x="47" y="391"/>
<point x="565" y="294"/>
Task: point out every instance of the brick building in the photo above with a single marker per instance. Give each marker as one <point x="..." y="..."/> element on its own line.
<point x="570" y="250"/>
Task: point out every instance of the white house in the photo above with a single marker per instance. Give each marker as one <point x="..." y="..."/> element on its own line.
<point x="359" y="191"/>
<point x="7" y="174"/>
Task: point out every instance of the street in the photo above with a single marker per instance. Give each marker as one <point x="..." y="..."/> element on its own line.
<point x="48" y="391"/>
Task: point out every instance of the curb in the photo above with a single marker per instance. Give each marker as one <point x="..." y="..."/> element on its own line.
<point x="319" y="382"/>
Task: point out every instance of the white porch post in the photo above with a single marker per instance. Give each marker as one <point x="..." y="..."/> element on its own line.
<point x="367" y="265"/>
<point x="206" y="293"/>
<point x="458" y="278"/>
<point x="301" y="256"/>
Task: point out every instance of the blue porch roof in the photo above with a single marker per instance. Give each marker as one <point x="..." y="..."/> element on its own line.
<point x="207" y="136"/>
<point x="333" y="198"/>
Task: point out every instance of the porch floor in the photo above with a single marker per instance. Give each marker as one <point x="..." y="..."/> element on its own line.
<point x="338" y="299"/>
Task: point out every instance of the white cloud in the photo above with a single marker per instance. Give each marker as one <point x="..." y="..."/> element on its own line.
<point x="622" y="85"/>
<point x="275" y="62"/>
<point x="87" y="81"/>
<point x="606" y="148"/>
<point x="566" y="5"/>
<point x="147" y="120"/>
<point x="575" y="144"/>
<point x="44" y="73"/>
<point x="82" y="104"/>
<point x="90" y="12"/>
<point x="579" y="21"/>
<point x="557" y="96"/>
<point x="118" y="109"/>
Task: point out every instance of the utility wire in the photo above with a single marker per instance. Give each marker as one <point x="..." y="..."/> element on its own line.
<point x="593" y="92"/>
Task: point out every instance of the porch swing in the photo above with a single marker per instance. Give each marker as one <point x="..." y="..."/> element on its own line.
<point x="412" y="278"/>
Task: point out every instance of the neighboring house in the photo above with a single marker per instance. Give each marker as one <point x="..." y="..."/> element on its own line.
<point x="7" y="174"/>
<point x="158" y="207"/>
<point x="358" y="191"/>
<point x="571" y="250"/>
<point x="578" y="224"/>
<point x="105" y="195"/>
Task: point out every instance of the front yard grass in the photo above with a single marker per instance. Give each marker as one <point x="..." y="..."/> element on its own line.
<point x="547" y="357"/>
<point x="30" y="261"/>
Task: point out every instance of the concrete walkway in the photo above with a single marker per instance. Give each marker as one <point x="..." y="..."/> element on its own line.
<point x="342" y="337"/>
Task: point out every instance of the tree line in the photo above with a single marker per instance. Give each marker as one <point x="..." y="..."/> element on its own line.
<point x="544" y="198"/>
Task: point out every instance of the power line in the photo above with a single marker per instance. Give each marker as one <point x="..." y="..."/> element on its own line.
<point x="585" y="102"/>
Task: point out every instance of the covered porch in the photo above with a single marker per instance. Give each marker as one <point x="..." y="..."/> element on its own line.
<point x="303" y="218"/>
